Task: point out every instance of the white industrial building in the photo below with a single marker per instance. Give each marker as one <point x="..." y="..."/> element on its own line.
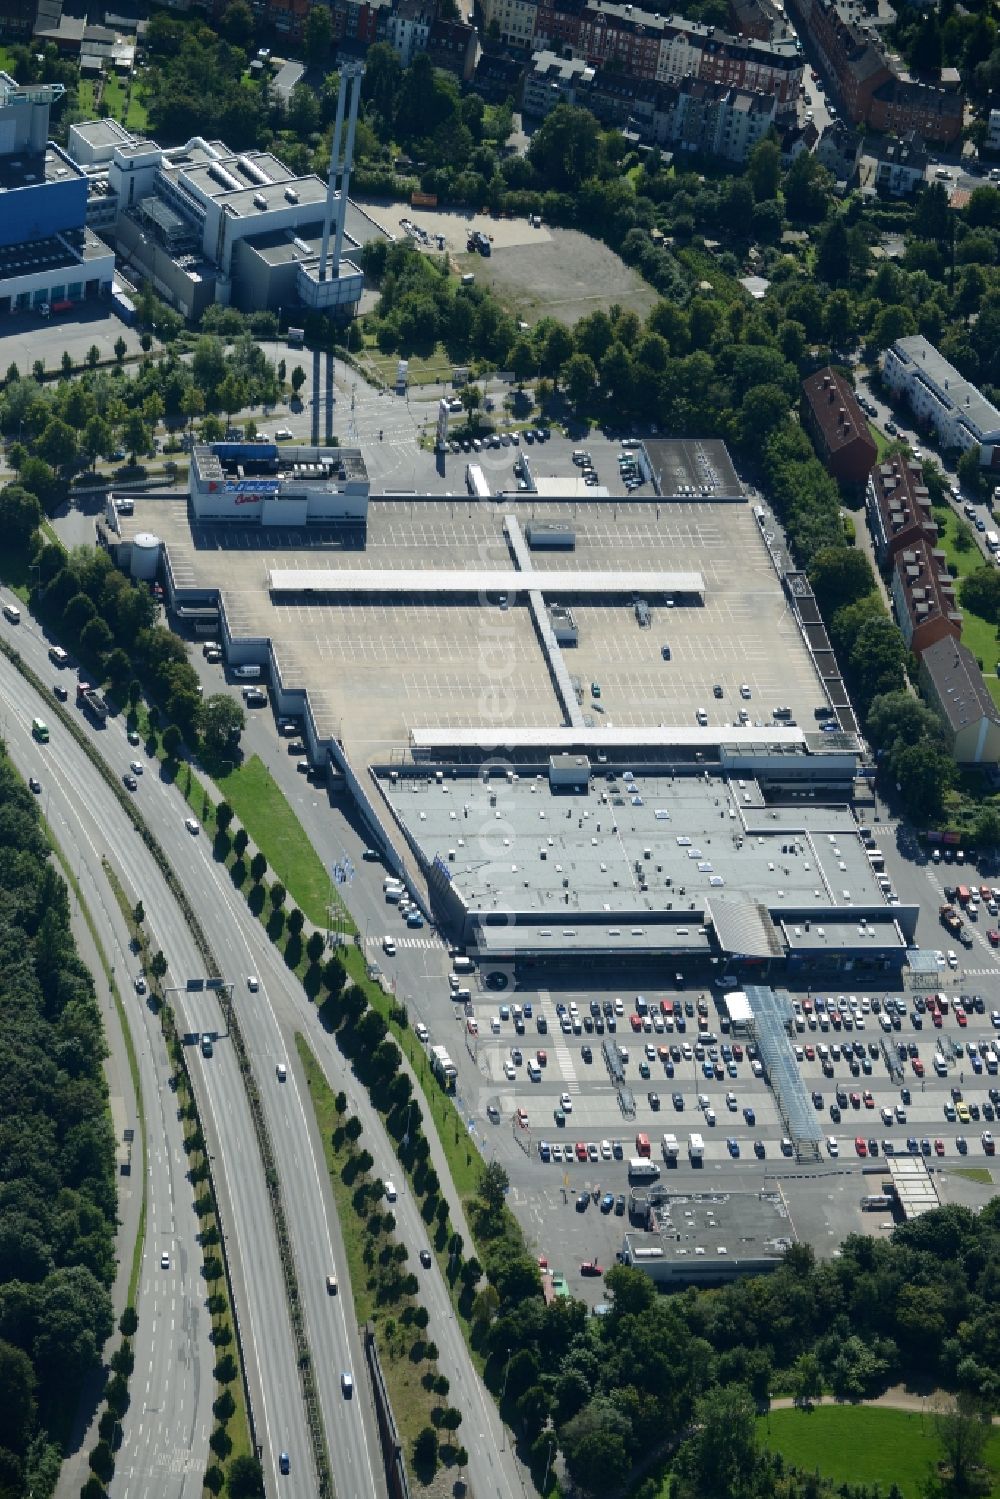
<point x="936" y="393"/>
<point x="206" y="224"/>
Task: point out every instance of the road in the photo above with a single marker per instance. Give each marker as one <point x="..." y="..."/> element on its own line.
<point x="69" y="780"/>
<point x="169" y="1420"/>
<point x="269" y="1019"/>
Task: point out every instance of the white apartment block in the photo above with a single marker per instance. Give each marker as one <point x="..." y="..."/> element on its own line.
<point x="936" y="393"/>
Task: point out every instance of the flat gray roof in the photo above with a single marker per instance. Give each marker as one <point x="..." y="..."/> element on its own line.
<point x="700" y="464"/>
<point x="744" y="1225"/>
<point x="556" y="854"/>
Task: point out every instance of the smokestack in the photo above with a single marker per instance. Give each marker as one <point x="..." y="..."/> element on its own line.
<point x="340" y="164"/>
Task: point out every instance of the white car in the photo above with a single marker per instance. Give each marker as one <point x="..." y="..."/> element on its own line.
<point x="281" y="1072"/>
<point x="509" y="1071"/>
<point x="140" y="985"/>
<point x="283" y="434"/>
<point x="831" y="1145"/>
<point x="744" y="691"/>
<point x="192" y="824"/>
<point x="566" y="1103"/>
<point x="606" y="1150"/>
<point x="136" y="767"/>
<point x="389" y="946"/>
<point x="253" y="983"/>
<point x="952" y="958"/>
<point x="421" y="1032"/>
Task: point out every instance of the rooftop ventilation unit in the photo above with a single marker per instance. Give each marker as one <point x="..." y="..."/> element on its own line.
<point x="259" y="201"/>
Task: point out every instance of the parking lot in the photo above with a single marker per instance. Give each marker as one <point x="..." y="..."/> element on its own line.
<point x="884" y="1078"/>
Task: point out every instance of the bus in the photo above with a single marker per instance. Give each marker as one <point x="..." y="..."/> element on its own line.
<point x="40" y="730"/>
<point x="475" y="481"/>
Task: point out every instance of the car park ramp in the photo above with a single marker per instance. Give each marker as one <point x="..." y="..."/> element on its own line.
<point x="546" y="636"/>
<point x="769" y="1026"/>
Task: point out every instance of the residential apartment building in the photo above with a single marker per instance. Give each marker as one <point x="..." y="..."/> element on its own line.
<point x="923" y="597"/>
<point x="839" y="150"/>
<point x="705" y="119"/>
<point x="647" y="47"/>
<point x="553" y="80"/>
<point x="900" y="165"/>
<point x="838" y="426"/>
<point x="941" y="398"/>
<point x="953" y="684"/>
<point x="454" y="45"/>
<point x="899" y="510"/>
<point x="872" y="88"/>
<point x="406" y="27"/>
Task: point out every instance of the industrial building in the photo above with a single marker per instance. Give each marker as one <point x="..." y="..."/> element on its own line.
<point x="204" y="224"/>
<point x="589" y="726"/>
<point x="49" y="257"/>
<point x="706" y="1238"/>
<point x="742" y="851"/>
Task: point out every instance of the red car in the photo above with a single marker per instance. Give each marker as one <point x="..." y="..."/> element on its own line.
<point x="993" y="937"/>
<point x="591" y="1267"/>
<point x="810" y="1054"/>
<point x="855" y="1100"/>
<point x="961" y="1016"/>
<point x="939" y="1147"/>
<point x="918" y="1067"/>
<point x="737" y="1051"/>
<point x="860" y="1145"/>
<point x="635" y="1021"/>
<point x="581" y="1151"/>
<point x="936" y="1017"/>
<point x="868" y="1100"/>
<point x="543" y="1059"/>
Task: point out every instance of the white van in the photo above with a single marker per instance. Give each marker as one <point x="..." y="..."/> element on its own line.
<point x="463" y="965"/>
<point x="390" y="1192"/>
<point x="13" y="613"/>
<point x="248" y="673"/>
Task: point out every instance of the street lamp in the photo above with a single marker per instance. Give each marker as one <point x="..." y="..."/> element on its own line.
<point x="503" y="1396"/>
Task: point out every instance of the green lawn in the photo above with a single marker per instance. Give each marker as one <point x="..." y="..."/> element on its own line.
<point x="977" y="633"/>
<point x="862" y="1445"/>
<point x="262" y="809"/>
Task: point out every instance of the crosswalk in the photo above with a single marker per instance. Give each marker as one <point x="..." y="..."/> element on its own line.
<point x="427" y="944"/>
<point x="564" y="1062"/>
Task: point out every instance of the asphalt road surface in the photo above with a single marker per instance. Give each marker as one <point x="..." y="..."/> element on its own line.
<point x="105" y="831"/>
<point x="168" y="1423"/>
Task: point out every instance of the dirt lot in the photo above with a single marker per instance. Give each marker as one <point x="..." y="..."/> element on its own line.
<point x="561" y="274"/>
<point x="535" y="272"/>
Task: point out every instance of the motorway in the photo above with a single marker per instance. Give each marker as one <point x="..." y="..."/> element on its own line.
<point x="269" y="1019"/>
<point x="167" y="1426"/>
<point x="99" y="828"/>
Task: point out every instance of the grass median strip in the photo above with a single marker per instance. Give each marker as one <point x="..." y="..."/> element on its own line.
<point x="262" y="808"/>
<point x="382" y="1281"/>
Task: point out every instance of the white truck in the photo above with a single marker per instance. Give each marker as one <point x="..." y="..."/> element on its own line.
<point x="641" y="1168"/>
<point x="671" y="1149"/>
<point x="696" y="1147"/>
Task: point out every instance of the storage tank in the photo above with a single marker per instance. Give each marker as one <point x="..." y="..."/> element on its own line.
<point x="145" y="556"/>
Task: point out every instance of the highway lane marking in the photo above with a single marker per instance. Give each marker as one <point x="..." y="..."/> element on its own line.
<point x="292" y="1079"/>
